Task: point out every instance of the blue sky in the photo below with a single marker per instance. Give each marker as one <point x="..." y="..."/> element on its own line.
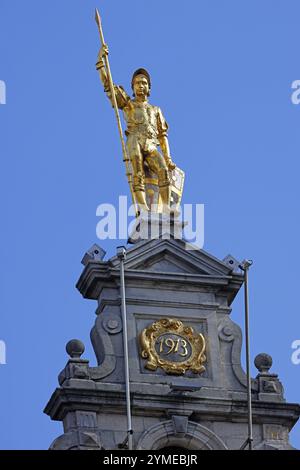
<point x="222" y="73"/>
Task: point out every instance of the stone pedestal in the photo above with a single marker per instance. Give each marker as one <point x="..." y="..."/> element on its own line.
<point x="151" y="226"/>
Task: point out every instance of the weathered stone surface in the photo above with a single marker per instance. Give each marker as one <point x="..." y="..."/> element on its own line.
<point x="196" y="411"/>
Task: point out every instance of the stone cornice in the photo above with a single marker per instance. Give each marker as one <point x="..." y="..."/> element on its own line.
<point x="97" y="275"/>
<point x="162" y="303"/>
<point x="112" y="398"/>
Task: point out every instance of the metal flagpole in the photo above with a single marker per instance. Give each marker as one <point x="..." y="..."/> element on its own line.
<point x="116" y="109"/>
<point x="245" y="265"/>
<point x="121" y="253"/>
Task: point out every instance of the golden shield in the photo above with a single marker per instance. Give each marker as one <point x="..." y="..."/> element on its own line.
<point x="173" y="347"/>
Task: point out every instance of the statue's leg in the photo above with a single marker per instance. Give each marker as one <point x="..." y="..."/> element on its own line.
<point x="157" y="164"/>
<point x="138" y="177"/>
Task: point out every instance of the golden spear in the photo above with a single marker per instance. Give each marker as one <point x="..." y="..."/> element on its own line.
<point x="115" y="106"/>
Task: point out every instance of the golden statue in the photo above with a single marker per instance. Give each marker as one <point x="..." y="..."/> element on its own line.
<point x="147" y="128"/>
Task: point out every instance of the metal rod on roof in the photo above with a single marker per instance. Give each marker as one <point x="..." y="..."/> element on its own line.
<point x="245" y="265"/>
<point x="121" y="253"/>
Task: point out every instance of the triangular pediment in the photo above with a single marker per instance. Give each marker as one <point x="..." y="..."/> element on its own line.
<point x="162" y="261"/>
<point x="172" y="256"/>
<point x="165" y="261"/>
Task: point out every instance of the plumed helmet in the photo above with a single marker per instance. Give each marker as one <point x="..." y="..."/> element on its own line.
<point x="141" y="72"/>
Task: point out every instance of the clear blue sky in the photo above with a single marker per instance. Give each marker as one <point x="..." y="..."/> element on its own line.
<point x="222" y="73"/>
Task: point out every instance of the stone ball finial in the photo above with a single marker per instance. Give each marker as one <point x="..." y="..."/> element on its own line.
<point x="75" y="348"/>
<point x="263" y="362"/>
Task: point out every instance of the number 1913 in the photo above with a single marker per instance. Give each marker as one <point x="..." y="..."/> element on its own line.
<point x="173" y="346"/>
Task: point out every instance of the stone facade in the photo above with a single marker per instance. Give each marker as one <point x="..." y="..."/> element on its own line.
<point x="192" y="411"/>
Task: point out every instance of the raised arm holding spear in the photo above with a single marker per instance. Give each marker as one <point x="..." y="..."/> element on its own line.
<point x="114" y="100"/>
<point x="146" y="130"/>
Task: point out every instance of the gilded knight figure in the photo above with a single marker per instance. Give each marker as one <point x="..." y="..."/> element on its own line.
<point x="146" y="130"/>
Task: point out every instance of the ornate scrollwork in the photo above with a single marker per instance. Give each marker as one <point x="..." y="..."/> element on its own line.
<point x="175" y="348"/>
